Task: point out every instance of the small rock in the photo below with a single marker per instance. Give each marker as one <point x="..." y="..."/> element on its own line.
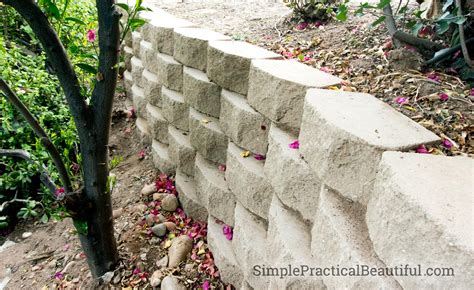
<point x="155" y="240"/>
<point x="107" y="277"/>
<point x="143" y="257"/>
<point x="150" y="219"/>
<point x="149" y="189"/>
<point x="26" y="235"/>
<point x="170" y="226"/>
<point x="159" y="230"/>
<point x="428" y="88"/>
<point x="52" y="264"/>
<point x="163" y="262"/>
<point x="161" y="218"/>
<point x="155" y="279"/>
<point x="139" y="208"/>
<point x="36" y="268"/>
<point x="180" y="248"/>
<point x="171" y="283"/>
<point x="75" y="280"/>
<point x="159" y="196"/>
<point x="117" y="278"/>
<point x="169" y="203"/>
<point x="116" y="213"/>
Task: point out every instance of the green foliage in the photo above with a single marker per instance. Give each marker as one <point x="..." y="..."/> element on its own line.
<point x="311" y="10"/>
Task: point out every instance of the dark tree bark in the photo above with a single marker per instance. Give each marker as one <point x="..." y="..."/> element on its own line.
<point x="93" y="212"/>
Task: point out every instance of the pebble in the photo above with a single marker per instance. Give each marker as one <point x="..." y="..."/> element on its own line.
<point x="116" y="213"/>
<point x="52" y="264"/>
<point x="143" y="257"/>
<point x="150" y="219"/>
<point x="75" y="280"/>
<point x="171" y="283"/>
<point x="170" y="226"/>
<point x="161" y="218"/>
<point x="26" y="235"/>
<point x="139" y="208"/>
<point x="163" y="262"/>
<point x="180" y="248"/>
<point x="155" y="279"/>
<point x="159" y="196"/>
<point x="107" y="277"/>
<point x="169" y="203"/>
<point x="117" y="278"/>
<point x="159" y="230"/>
<point x="149" y="189"/>
<point x="36" y="268"/>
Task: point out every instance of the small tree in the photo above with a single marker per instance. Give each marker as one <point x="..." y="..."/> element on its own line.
<point x="89" y="204"/>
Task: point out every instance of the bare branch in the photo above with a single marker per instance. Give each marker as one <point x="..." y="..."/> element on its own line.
<point x="39" y="131"/>
<point x="462" y="37"/>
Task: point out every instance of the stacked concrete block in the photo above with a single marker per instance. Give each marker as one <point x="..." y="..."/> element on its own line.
<point x="139" y="101"/>
<point x="249" y="240"/>
<point x="152" y="88"/>
<point x="128" y="83"/>
<point x="224" y="255"/>
<point x="190" y="46"/>
<point x="161" y="32"/>
<point x="169" y="71"/>
<point x="127" y="56"/>
<point x="212" y="188"/>
<point x="137" y="70"/>
<point x="147" y="54"/>
<point x="343" y="136"/>
<point x="200" y="93"/>
<point x="427" y="203"/>
<point x="228" y="63"/>
<point x="247" y="181"/>
<point x="142" y="131"/>
<point x="180" y="150"/>
<point x="290" y="176"/>
<point x="289" y="243"/>
<point x="340" y="238"/>
<point x="136" y="39"/>
<point x="277" y="89"/>
<point x="175" y="110"/>
<point x="161" y="158"/>
<point x="188" y="199"/>
<point x="157" y="124"/>
<point x="245" y="126"/>
<point x="207" y="137"/>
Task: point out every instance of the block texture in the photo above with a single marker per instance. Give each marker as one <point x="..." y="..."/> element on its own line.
<point x="190" y="45"/>
<point x="190" y="202"/>
<point x="207" y="137"/>
<point x="425" y="198"/>
<point x="147" y="54"/>
<point x="152" y="88"/>
<point x="137" y="70"/>
<point x="161" y="34"/>
<point x="175" y="110"/>
<point x="228" y="63"/>
<point x="128" y="83"/>
<point x="257" y="192"/>
<point x="277" y="89"/>
<point x="142" y="131"/>
<point x="200" y="93"/>
<point x="127" y="56"/>
<point x="180" y="150"/>
<point x="157" y="124"/>
<point x="161" y="158"/>
<point x="343" y="136"/>
<point x="168" y="71"/>
<point x="139" y="101"/>
<point x="136" y="39"/>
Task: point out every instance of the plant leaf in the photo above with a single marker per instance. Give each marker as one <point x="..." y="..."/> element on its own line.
<point x="87" y="68"/>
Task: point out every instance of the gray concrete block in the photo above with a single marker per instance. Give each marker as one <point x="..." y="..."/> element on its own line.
<point x="161" y="32"/>
<point x="136" y="39"/>
<point x="137" y="70"/>
<point x="147" y="54"/>
<point x="188" y="199"/>
<point x="142" y="131"/>
<point x="190" y="45"/>
<point x="161" y="158"/>
<point x="180" y="150"/>
<point x="228" y="63"/>
<point x="200" y="93"/>
<point x="244" y="126"/>
<point x="206" y="137"/>
<point x="128" y="83"/>
<point x="157" y="124"/>
<point x="152" y="88"/>
<point x="139" y="101"/>
<point x="127" y="56"/>
<point x="212" y="188"/>
<point x="421" y="212"/>
<point x="277" y="89"/>
<point x="343" y="136"/>
<point x="168" y="71"/>
<point x="175" y="110"/>
<point x="247" y="181"/>
<point x="290" y="176"/>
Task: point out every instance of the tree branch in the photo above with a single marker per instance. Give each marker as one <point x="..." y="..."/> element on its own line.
<point x="416" y="41"/>
<point x="57" y="55"/>
<point x="462" y="38"/>
<point x="53" y="151"/>
<point x="391" y="24"/>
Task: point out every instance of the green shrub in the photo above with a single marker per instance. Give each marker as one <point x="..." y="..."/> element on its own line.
<point x="312" y="10"/>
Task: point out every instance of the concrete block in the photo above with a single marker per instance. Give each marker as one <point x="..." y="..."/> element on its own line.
<point x="188" y="199"/>
<point x="340" y="239"/>
<point x="137" y="70"/>
<point x="200" y="93"/>
<point x="180" y="150"/>
<point x="161" y="158"/>
<point x="127" y="56"/>
<point x="169" y="71"/>
<point x="228" y="63"/>
<point x="250" y="234"/>
<point x="152" y="88"/>
<point x="247" y="181"/>
<point x="139" y="101"/>
<point x="212" y="188"/>
<point x="343" y="136"/>
<point x="175" y="110"/>
<point x="223" y="254"/>
<point x="157" y="124"/>
<point x="288" y="243"/>
<point x="147" y="54"/>
<point x="142" y="131"/>
<point x="207" y="137"/>
<point x="190" y="45"/>
<point x="136" y="39"/>
<point x="292" y="179"/>
<point x="161" y="33"/>
<point x="128" y="39"/>
<point x="421" y="212"/>
<point x="244" y="126"/>
<point x="277" y="89"/>
<point x="128" y="83"/>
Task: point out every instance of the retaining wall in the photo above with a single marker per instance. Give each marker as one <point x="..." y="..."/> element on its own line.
<point x="350" y="195"/>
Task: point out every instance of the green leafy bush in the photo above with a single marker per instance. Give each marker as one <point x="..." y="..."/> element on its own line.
<point x="311" y="10"/>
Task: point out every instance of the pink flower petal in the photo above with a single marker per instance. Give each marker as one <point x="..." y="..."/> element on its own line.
<point x="443" y="97"/>
<point x="228" y="232"/>
<point x="222" y="167"/>
<point x="206" y="285"/>
<point x="295" y="145"/>
<point x="302" y="25"/>
<point x="259" y="156"/>
<point x="91" y="36"/>
<point x="447" y="144"/>
<point x="401" y="100"/>
<point x="472" y="92"/>
<point x="422" y="150"/>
